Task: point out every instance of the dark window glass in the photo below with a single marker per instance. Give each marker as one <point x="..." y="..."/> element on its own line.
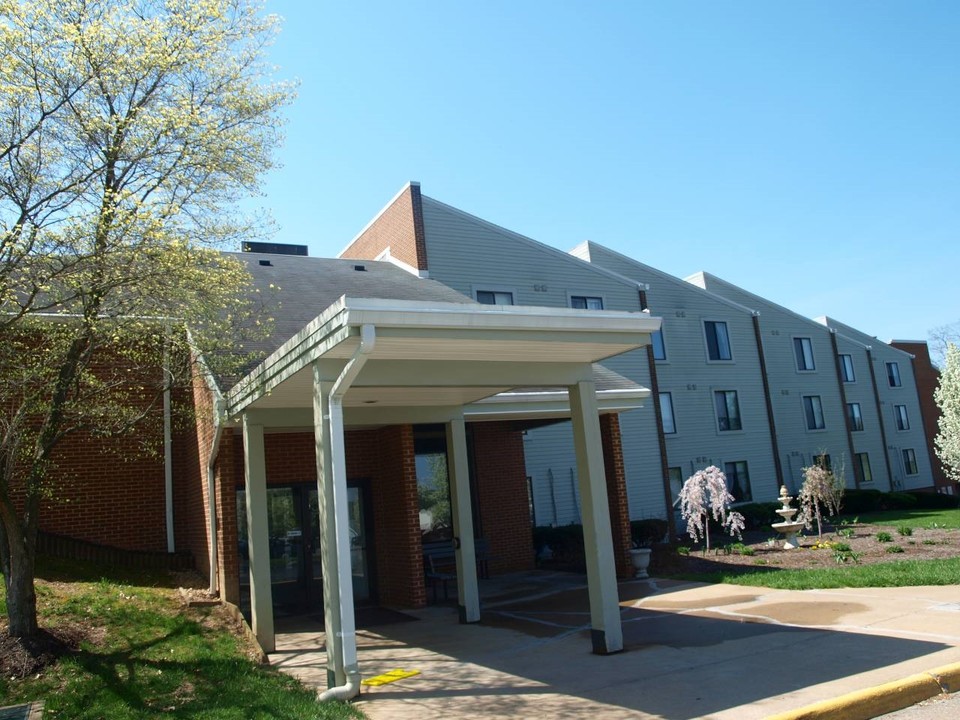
<point x="910" y="462"/>
<point x="738" y="480"/>
<point x="583" y="302"/>
<point x="813" y="411"/>
<point x="846" y="368"/>
<point x="491" y="297"/>
<point x="803" y="349"/>
<point x="718" y="340"/>
<point x="728" y="410"/>
<point x="903" y="422"/>
<point x="666" y="410"/>
<point x="856" y="418"/>
<point x="659" y="350"/>
<point x="893" y="374"/>
<point x="866" y="475"/>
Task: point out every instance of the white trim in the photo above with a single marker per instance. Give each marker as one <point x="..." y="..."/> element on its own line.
<point x="385" y="256"/>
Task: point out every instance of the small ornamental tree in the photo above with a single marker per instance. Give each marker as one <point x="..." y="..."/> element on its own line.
<point x="947" y="396"/>
<point x="820" y="496"/>
<point x="705" y="495"/>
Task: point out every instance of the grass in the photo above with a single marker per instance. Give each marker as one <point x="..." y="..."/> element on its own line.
<point x="892" y="574"/>
<point x="941" y="518"/>
<point x="152" y="658"/>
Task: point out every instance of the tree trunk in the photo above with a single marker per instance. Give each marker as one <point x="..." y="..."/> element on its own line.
<point x="21" y="597"/>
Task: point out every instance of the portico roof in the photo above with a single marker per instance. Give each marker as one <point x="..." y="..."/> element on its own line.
<point x="487" y="361"/>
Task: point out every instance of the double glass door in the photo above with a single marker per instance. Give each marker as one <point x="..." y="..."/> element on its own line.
<point x="293" y="525"/>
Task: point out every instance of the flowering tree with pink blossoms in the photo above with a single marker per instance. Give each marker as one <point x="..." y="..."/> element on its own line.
<point x="705" y="495"/>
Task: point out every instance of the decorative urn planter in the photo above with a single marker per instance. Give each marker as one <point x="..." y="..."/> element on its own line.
<point x="640" y="557"/>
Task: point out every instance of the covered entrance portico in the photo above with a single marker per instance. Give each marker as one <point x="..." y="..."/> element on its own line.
<point x="377" y="363"/>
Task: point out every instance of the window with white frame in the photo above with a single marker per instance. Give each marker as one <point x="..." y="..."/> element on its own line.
<point x="738" y="480"/>
<point x="863" y="462"/>
<point x="803" y="350"/>
<point x="855" y="416"/>
<point x="718" y="340"/>
<point x="910" y="462"/>
<point x="666" y="411"/>
<point x="586" y="302"/>
<point x="893" y="374"/>
<point x="494" y="297"/>
<point x="659" y="349"/>
<point x="675" y="475"/>
<point x="728" y="410"/>
<point x="900" y="412"/>
<point x="846" y="369"/>
<point x="813" y="411"/>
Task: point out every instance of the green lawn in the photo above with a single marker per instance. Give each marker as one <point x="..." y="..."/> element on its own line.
<point x="912" y="518"/>
<point x="893" y="574"/>
<point x="148" y="657"/>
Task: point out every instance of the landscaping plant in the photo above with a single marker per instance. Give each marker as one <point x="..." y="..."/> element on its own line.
<point x="705" y="495"/>
<point x="820" y="496"/>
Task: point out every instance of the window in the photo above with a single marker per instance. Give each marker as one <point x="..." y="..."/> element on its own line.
<point x="903" y="422"/>
<point x="803" y="349"/>
<point x="666" y="410"/>
<point x="893" y="374"/>
<point x="494" y="297"/>
<point x="846" y="369"/>
<point x="675" y="475"/>
<point x="738" y="480"/>
<point x="863" y="462"/>
<point x="718" y="340"/>
<point x="855" y="417"/>
<point x="659" y="350"/>
<point x="585" y="302"/>
<point x="813" y="410"/>
<point x="910" y="462"/>
<point x="728" y="410"/>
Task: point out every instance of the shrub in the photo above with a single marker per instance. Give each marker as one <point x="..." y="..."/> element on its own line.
<point x="565" y="541"/>
<point x="883" y="536"/>
<point x="898" y="501"/>
<point x="650" y="531"/>
<point x="935" y="501"/>
<point x="905" y="530"/>
<point x="846" y="532"/>
<point x="759" y="516"/>
<point x="841" y="547"/>
<point x="861" y="501"/>
<point x="894" y="549"/>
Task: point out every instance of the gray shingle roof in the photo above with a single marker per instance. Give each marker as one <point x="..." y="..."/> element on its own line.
<point x="303" y="287"/>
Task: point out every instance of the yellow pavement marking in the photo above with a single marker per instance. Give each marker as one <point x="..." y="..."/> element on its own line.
<point x="389" y="677"/>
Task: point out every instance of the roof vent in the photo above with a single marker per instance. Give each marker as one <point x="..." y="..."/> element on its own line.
<point x="360" y="268"/>
<point x="266" y="263"/>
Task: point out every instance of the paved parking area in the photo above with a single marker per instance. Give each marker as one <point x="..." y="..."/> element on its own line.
<point x="692" y="651"/>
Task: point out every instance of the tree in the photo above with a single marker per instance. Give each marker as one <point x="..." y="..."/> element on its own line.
<point x="940" y="339"/>
<point x="704" y="495"/>
<point x="128" y="131"/>
<point x="947" y="396"/>
<point x="821" y="494"/>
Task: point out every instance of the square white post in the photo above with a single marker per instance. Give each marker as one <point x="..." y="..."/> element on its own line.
<point x="468" y="594"/>
<point x="606" y="632"/>
<point x="258" y="537"/>
<point x="328" y="543"/>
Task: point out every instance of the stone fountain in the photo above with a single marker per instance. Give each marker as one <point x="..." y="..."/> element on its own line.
<point x="788" y="527"/>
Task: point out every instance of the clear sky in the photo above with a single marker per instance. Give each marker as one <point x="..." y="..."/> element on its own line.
<point x="807" y="151"/>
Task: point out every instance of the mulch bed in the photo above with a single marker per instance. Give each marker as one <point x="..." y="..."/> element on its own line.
<point x="20" y="658"/>
<point x="768" y="552"/>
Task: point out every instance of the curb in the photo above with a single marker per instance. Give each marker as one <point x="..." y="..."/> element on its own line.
<point x="881" y="699"/>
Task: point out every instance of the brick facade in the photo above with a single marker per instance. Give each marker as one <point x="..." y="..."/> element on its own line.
<point x="399" y="227"/>
<point x="616" y="493"/>
<point x="501" y="486"/>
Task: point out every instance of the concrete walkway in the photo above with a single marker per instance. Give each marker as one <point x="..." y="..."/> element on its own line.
<point x="692" y="651"/>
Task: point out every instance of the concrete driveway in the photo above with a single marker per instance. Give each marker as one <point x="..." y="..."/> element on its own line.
<point x="692" y="651"/>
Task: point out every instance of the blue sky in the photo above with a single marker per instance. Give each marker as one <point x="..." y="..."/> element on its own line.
<point x="807" y="151"/>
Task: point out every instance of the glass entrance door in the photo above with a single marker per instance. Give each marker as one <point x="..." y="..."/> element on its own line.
<point x="293" y="527"/>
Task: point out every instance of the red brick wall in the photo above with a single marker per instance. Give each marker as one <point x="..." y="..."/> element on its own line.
<point x="109" y="491"/>
<point x="385" y="458"/>
<point x="501" y="482"/>
<point x="399" y="227"/>
<point x="928" y="378"/>
<point x="616" y="493"/>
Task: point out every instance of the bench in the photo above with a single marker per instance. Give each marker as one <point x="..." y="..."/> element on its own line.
<point x="440" y="563"/>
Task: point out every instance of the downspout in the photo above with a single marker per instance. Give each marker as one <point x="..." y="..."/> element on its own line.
<point x="218" y="409"/>
<point x="168" y="445"/>
<point x="883" y="430"/>
<point x="768" y="401"/>
<point x="658" y="417"/>
<point x="347" y="630"/>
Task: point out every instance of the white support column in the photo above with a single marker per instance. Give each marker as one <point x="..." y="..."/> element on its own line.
<point x="328" y="534"/>
<point x="258" y="538"/>
<point x="606" y="632"/>
<point x="468" y="594"/>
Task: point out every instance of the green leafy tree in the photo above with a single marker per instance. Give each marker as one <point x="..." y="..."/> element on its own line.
<point x="129" y="129"/>
<point x="947" y="396"/>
